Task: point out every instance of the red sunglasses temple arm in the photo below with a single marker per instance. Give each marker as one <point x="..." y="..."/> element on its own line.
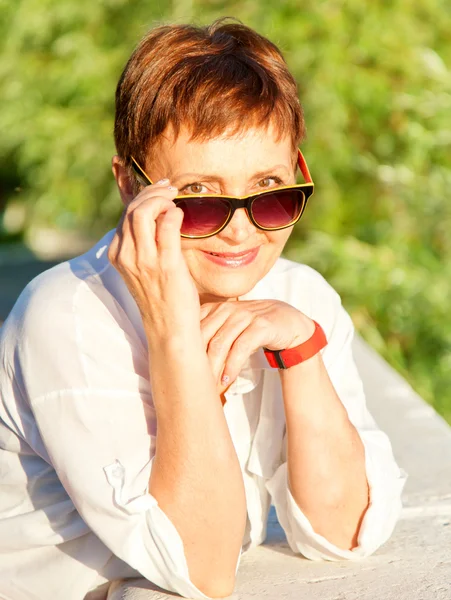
<point x="304" y="169"/>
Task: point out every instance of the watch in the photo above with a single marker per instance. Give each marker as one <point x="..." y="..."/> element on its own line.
<point x="284" y="359"/>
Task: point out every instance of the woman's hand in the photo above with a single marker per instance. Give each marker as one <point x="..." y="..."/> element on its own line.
<point x="146" y="251"/>
<point x="232" y="331"/>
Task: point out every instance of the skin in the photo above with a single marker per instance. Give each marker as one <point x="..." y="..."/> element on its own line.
<point x="160" y="268"/>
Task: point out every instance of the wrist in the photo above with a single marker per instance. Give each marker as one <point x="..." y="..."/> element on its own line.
<point x="304" y="351"/>
<point x="311" y="368"/>
<point x="173" y="338"/>
<point x="304" y="331"/>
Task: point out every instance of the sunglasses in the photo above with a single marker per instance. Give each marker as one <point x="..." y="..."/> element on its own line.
<point x="206" y="215"/>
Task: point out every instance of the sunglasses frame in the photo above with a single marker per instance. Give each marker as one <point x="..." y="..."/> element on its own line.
<point x="236" y="202"/>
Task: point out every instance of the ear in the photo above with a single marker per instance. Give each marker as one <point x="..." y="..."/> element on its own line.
<point x="123" y="180"/>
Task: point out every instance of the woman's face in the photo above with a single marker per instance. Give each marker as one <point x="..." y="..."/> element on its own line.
<point x="236" y="166"/>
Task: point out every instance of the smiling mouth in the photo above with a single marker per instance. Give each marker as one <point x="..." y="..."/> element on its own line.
<point x="232" y="254"/>
<point x="233" y="260"/>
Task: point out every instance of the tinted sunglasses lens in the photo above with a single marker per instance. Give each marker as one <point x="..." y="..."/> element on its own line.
<point x="279" y="208"/>
<point x="203" y="216"/>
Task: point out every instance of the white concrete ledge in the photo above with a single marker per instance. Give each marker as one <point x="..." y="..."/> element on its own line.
<point x="414" y="565"/>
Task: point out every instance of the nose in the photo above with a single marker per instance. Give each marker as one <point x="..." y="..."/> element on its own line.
<point x="239" y="229"/>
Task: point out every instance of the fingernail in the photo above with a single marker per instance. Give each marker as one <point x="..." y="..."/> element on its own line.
<point x="162" y="181"/>
<point x="225" y="379"/>
<point x="172" y="188"/>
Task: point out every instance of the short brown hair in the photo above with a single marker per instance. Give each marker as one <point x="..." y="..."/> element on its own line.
<point x="210" y="79"/>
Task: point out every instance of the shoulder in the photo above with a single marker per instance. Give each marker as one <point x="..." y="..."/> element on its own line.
<point x="301" y="271"/>
<point x="307" y="290"/>
<point x="300" y="285"/>
<point x="66" y="322"/>
<point x="52" y="296"/>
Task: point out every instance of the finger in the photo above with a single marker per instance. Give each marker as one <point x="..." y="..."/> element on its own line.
<point x="162" y="184"/>
<point x="142" y="223"/>
<point x="148" y="196"/>
<point x="222" y="341"/>
<point x="156" y="190"/>
<point x="207" y="308"/>
<point x="213" y="316"/>
<point x="123" y="247"/>
<point x="169" y="192"/>
<point x="167" y="237"/>
<point x="249" y="341"/>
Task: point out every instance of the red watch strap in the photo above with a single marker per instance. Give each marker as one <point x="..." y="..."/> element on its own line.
<point x="284" y="359"/>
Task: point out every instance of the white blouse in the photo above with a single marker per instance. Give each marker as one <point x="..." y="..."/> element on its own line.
<point x="77" y="436"/>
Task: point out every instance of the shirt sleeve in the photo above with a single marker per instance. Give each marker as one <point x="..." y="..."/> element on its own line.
<point x="385" y="479"/>
<point x="94" y="423"/>
<point x="104" y="464"/>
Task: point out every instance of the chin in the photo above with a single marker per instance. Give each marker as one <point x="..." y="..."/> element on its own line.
<point x="228" y="287"/>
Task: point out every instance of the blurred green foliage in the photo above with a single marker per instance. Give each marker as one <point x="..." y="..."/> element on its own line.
<point x="375" y="82"/>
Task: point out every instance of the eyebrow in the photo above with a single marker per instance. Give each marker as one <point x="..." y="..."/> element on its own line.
<point x="217" y="177"/>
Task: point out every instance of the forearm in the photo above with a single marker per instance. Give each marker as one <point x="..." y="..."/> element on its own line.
<point x="326" y="457"/>
<point x="196" y="476"/>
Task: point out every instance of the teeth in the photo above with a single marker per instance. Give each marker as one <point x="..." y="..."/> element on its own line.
<point x="228" y="257"/>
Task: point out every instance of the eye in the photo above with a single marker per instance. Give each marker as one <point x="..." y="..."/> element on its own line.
<point x="194" y="188"/>
<point x="266" y="182"/>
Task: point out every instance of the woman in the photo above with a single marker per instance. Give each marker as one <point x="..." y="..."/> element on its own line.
<point x="160" y="391"/>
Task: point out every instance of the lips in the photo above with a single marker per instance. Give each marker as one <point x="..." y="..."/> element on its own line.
<point x="232" y="254"/>
<point x="233" y="259"/>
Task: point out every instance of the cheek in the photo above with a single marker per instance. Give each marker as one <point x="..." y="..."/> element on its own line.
<point x="192" y="256"/>
<point x="278" y="239"/>
<point x="190" y="248"/>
